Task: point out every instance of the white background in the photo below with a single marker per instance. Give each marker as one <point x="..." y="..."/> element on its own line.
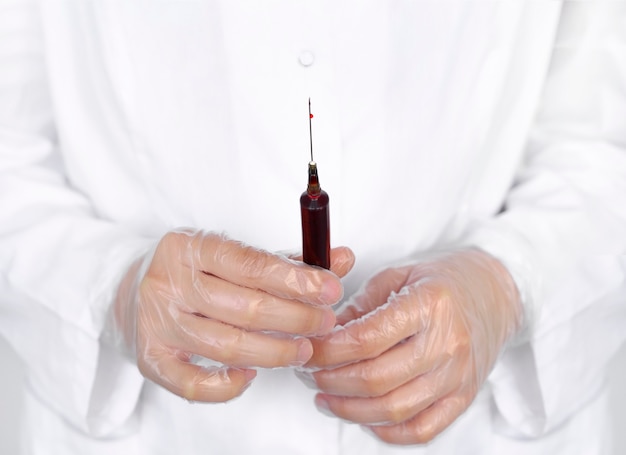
<point x="12" y="377"/>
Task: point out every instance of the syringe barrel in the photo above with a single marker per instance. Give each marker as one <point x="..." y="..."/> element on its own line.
<point x="315" y="229"/>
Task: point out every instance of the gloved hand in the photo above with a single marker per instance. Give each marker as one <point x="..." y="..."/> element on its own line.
<point x="203" y="294"/>
<point x="415" y="344"/>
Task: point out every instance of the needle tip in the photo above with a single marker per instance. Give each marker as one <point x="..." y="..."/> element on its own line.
<point x="311" y="131"/>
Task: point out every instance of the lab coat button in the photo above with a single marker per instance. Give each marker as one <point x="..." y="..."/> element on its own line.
<point x="306" y="58"/>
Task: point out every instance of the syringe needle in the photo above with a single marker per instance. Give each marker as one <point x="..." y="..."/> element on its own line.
<point x="310" y="130"/>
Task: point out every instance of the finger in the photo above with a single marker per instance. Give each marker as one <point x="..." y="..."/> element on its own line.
<point x="427" y="424"/>
<point x="379" y="376"/>
<point x="371" y="335"/>
<point x="373" y="294"/>
<point x="341" y="260"/>
<point x="251" y="309"/>
<point x="253" y="268"/>
<point x="233" y="346"/>
<point x="193" y="382"/>
<point x="399" y="405"/>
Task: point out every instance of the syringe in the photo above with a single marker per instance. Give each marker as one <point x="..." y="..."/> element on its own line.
<point x="315" y="219"/>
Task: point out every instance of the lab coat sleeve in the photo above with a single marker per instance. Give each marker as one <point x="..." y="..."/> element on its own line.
<point x="562" y="233"/>
<point x="59" y="263"/>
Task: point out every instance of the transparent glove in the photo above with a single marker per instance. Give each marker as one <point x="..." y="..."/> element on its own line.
<point x="202" y="294"/>
<point x="413" y="347"/>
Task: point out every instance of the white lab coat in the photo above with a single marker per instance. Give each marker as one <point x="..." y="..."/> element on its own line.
<point x="489" y="123"/>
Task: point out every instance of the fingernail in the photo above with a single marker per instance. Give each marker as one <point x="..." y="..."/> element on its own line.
<point x="249" y="374"/>
<point x="332" y="292"/>
<point x="322" y="405"/>
<point x="305" y="351"/>
<point x="345" y="262"/>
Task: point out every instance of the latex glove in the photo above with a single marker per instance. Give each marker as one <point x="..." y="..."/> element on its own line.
<point x="415" y="345"/>
<point x="202" y="294"/>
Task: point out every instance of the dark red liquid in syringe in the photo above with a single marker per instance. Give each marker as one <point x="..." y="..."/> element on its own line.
<point x="315" y="222"/>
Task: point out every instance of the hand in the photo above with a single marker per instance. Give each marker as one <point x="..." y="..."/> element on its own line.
<point x="203" y="294"/>
<point x="414" y="346"/>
